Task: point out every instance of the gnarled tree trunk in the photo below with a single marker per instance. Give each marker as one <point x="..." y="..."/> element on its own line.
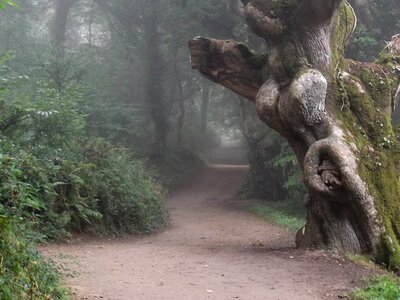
<point x="334" y="113"/>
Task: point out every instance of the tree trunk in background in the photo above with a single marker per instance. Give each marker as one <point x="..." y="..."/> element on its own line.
<point x="154" y="65"/>
<point x="155" y="70"/>
<point x="334" y="113"/>
<point x="205" y="100"/>
<point x="181" y="101"/>
<point x="364" y="10"/>
<point x="62" y="10"/>
<point x="263" y="179"/>
<point x="249" y="127"/>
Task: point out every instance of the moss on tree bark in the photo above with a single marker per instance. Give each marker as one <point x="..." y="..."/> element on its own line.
<point x="335" y="114"/>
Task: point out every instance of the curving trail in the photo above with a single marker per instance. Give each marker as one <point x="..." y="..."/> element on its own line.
<point x="213" y="249"/>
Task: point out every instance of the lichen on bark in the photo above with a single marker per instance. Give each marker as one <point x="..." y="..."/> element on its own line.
<point x="370" y="90"/>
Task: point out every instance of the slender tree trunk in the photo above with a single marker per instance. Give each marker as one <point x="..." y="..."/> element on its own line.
<point x="155" y="69"/>
<point x="148" y="23"/>
<point x="249" y="127"/>
<point x="62" y="11"/>
<point x="181" y="102"/>
<point x="334" y="113"/>
<point x="263" y="180"/>
<point x="205" y="100"/>
<point x="364" y="9"/>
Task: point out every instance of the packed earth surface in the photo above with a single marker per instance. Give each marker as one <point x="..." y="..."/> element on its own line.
<point x="212" y="249"/>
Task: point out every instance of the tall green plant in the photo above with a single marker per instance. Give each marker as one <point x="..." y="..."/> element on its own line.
<point x="23" y="272"/>
<point x="286" y="160"/>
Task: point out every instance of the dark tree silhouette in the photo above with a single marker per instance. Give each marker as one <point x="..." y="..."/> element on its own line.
<point x="62" y="10"/>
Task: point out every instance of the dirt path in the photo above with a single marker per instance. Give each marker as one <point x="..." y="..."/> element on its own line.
<point x="213" y="249"/>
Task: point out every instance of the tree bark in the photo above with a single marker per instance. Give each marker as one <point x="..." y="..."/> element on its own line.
<point x="181" y="102"/>
<point x="263" y="179"/>
<point x="228" y="63"/>
<point x="334" y="113"/>
<point x="62" y="11"/>
<point x="364" y="9"/>
<point x="205" y="100"/>
<point x="147" y="23"/>
<point x="155" y="70"/>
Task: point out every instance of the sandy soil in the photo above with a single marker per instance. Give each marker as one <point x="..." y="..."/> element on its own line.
<point x="213" y="249"/>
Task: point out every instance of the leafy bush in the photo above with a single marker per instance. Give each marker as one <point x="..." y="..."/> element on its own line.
<point x="46" y="121"/>
<point x="293" y="185"/>
<point x="26" y="192"/>
<point x="105" y="190"/>
<point x="23" y="272"/>
<point x="274" y="173"/>
<point x="128" y="198"/>
<point x="53" y="174"/>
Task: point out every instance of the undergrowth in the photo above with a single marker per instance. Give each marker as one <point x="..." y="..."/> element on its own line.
<point x="101" y="189"/>
<point x="274" y="174"/>
<point x="288" y="214"/>
<point x="24" y="274"/>
<point x="56" y="180"/>
<point x="177" y="166"/>
<point x="378" y="288"/>
<point x="281" y="170"/>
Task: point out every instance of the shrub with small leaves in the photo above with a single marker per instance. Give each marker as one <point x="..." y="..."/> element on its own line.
<point x="23" y="272"/>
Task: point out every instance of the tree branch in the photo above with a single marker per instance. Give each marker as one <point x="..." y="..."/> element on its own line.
<point x="268" y="19"/>
<point x="261" y="24"/>
<point x="230" y="64"/>
<point x="390" y="58"/>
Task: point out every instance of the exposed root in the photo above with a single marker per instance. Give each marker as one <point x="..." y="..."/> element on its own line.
<point x="264" y="26"/>
<point x="330" y="171"/>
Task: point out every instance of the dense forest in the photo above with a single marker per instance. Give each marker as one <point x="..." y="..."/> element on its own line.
<point x="102" y="115"/>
